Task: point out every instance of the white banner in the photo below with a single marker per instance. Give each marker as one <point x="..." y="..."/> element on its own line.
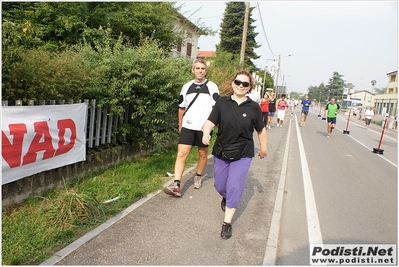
<point x="39" y="138"/>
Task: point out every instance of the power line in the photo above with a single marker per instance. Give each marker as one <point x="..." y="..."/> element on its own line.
<point x="264" y="31"/>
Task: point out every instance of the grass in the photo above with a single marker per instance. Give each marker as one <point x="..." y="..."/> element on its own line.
<point x="35" y="230"/>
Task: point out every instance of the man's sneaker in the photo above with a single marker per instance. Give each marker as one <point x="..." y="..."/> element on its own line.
<point x="173" y="190"/>
<point x="226" y="231"/>
<point x="328" y="136"/>
<point x="223" y="204"/>
<point x="197" y="182"/>
<point x="301" y="124"/>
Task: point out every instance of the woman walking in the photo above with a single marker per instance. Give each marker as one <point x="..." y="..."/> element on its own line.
<point x="236" y="116"/>
<point x="272" y="109"/>
<point x="264" y="107"/>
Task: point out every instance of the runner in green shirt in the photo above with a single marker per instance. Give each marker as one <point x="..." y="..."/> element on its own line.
<point x="332" y="109"/>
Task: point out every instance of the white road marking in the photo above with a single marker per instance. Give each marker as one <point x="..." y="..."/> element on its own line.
<point x="370" y="149"/>
<point x="274" y="231"/>
<point x="314" y="232"/>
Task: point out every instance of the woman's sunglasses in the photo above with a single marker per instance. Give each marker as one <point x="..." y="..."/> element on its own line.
<point x="238" y="82"/>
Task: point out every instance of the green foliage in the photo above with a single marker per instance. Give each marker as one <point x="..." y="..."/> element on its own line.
<point x="140" y="77"/>
<point x="318" y="92"/>
<point x="223" y="69"/>
<point x="113" y="72"/>
<point x="336" y="86"/>
<point x="41" y="75"/>
<point x="267" y="81"/>
<point x="379" y="91"/>
<point x="57" y="25"/>
<point x="232" y="30"/>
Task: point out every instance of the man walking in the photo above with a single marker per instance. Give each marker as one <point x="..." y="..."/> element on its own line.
<point x="196" y="100"/>
<point x="368" y="115"/>
<point x="305" y="103"/>
<point x="332" y="109"/>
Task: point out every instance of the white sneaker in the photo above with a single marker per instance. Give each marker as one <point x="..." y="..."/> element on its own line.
<point x="301" y="124"/>
<point x="281" y="126"/>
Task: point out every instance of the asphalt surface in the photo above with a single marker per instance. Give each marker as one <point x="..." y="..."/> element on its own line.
<point x="163" y="230"/>
<point x="354" y="190"/>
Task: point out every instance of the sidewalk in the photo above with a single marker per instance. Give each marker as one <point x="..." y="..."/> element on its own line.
<point x="163" y="230"/>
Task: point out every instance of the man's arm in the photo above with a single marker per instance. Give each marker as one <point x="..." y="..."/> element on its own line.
<point x="180" y="117"/>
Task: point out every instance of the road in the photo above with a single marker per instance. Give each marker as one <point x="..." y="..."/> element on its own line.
<point x="308" y="190"/>
<point x="337" y="191"/>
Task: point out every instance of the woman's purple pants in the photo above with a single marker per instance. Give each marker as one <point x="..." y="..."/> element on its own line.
<point x="230" y="177"/>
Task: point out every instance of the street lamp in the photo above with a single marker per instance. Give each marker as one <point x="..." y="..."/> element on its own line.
<point x="373" y="82"/>
<point x="282" y="85"/>
<point x="278" y="71"/>
<point x="264" y="77"/>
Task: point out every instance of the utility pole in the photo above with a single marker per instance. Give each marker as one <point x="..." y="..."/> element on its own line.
<point x="278" y="71"/>
<point x="244" y="36"/>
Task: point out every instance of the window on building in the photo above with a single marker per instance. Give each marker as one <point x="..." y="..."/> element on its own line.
<point x="189" y="48"/>
<point x="178" y="47"/>
<point x="393" y="77"/>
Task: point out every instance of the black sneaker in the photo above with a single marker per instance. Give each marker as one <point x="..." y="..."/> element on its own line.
<point x="223" y="204"/>
<point x="227" y="230"/>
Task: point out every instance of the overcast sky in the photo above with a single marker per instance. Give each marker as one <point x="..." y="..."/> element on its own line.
<point x="358" y="39"/>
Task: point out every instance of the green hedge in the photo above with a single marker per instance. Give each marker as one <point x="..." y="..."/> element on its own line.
<point x="118" y="75"/>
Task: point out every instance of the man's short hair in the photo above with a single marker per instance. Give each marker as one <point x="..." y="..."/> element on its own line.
<point x="199" y="60"/>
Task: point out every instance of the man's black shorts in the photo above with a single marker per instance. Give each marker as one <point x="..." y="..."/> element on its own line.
<point x="332" y="120"/>
<point x="191" y="137"/>
<point x="306" y="112"/>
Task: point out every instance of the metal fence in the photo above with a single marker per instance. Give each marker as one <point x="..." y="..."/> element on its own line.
<point x="99" y="123"/>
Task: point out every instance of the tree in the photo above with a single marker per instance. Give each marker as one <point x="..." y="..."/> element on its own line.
<point x="379" y="91"/>
<point x="231" y="30"/>
<point x="336" y="86"/>
<point x="318" y="92"/>
<point x="60" y="24"/>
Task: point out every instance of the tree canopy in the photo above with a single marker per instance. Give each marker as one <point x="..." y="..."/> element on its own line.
<point x="231" y="32"/>
<point x="59" y="24"/>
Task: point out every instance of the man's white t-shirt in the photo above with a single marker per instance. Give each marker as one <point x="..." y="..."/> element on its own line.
<point x="199" y="112"/>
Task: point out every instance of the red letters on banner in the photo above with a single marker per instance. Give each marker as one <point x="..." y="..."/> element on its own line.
<point x="12" y="152"/>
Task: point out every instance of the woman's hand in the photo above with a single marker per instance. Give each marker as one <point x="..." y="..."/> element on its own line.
<point x="262" y="154"/>
<point x="206" y="139"/>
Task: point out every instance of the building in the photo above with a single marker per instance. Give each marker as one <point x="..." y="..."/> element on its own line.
<point x="188" y="47"/>
<point x="386" y="104"/>
<point x="360" y="98"/>
<point x="209" y="56"/>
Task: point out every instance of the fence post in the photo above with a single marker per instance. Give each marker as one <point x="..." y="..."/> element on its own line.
<point x="4" y="103"/>
<point x="18" y="102"/>
<point x="52" y="102"/>
<point x="31" y="102"/>
<point x="104" y="125"/>
<point x="42" y="102"/>
<point x="98" y="127"/>
<point x="91" y="123"/>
